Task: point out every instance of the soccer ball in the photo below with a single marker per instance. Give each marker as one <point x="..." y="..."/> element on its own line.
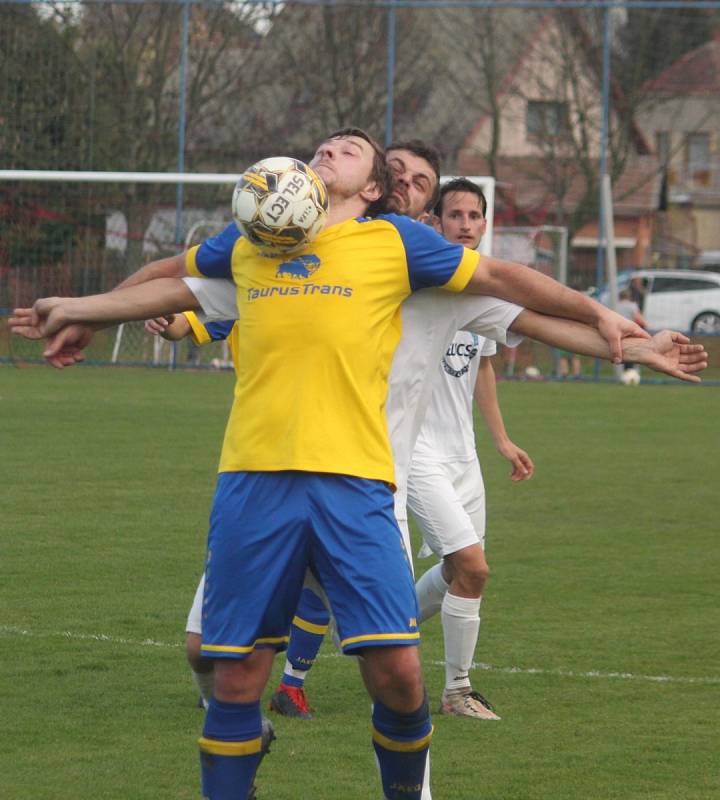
<point x="280" y="205"/>
<point x="630" y="377"/>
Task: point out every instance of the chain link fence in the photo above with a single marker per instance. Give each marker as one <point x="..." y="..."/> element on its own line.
<point x="536" y="94"/>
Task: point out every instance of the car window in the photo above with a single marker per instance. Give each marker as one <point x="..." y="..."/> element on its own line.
<point x="661" y="284"/>
<point x="707" y="284"/>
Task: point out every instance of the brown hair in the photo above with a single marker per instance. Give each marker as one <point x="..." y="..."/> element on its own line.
<point x="380" y="172"/>
<point x="460" y="185"/>
<point x="423" y="150"/>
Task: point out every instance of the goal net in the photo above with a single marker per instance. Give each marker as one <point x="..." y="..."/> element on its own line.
<point x="80" y="233"/>
<point x="545" y="249"/>
<point x="75" y="233"/>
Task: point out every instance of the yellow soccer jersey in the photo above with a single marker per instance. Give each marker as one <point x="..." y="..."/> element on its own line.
<point x="316" y="336"/>
<point x="206" y="332"/>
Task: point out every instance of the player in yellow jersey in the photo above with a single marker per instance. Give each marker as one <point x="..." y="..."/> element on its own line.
<point x="311" y="619"/>
<point x="306" y="465"/>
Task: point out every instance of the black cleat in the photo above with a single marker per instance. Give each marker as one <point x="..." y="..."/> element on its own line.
<point x="268" y="737"/>
<point x="290" y="701"/>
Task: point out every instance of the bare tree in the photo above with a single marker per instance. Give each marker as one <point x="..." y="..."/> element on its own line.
<point x="547" y="141"/>
<point x="472" y="54"/>
<point x="332" y="63"/>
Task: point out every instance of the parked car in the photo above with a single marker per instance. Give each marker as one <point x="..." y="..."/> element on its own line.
<point x="681" y="300"/>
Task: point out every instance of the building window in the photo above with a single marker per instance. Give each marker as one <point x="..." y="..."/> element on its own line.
<point x="697" y="157"/>
<point x="547" y="119"/>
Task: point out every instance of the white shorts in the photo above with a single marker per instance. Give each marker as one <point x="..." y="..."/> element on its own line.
<point x="194" y="620"/>
<point x="447" y="501"/>
<point x="407" y="544"/>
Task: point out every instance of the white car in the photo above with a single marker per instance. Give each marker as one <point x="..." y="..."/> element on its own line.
<point x="681" y="300"/>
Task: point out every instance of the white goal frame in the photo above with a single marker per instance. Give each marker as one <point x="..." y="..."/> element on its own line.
<point x="486" y="183"/>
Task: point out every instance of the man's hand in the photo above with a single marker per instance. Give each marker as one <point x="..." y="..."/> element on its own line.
<point x="158" y="325"/>
<point x="47" y="316"/>
<point x="74" y="319"/>
<point x="172" y="327"/>
<point x="614" y="328"/>
<point x="669" y="352"/>
<point x="65" y="348"/>
<point x="47" y="320"/>
<point x="522" y="465"/>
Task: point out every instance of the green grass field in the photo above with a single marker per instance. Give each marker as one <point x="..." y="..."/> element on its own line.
<point x="599" y="644"/>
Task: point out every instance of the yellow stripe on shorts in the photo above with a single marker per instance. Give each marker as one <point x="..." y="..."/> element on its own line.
<point x="231" y="648"/>
<point x="378" y="637"/>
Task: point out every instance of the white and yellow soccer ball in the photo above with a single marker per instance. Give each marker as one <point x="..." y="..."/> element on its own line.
<point x="630" y="377"/>
<point x="280" y="205"/>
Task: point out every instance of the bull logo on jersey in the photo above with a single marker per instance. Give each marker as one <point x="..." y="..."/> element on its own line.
<point x="301" y="267"/>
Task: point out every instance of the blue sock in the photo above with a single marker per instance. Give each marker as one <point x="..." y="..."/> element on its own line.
<point x="401" y="742"/>
<point x="308" y="629"/>
<point x="230" y="749"/>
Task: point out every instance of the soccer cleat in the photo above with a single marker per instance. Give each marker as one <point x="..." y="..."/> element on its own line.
<point x="466" y="703"/>
<point x="290" y="701"/>
<point x="268" y="737"/>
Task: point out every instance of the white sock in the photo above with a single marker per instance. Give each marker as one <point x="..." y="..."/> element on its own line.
<point x="461" y="626"/>
<point x="426" y="781"/>
<point x="431" y="589"/>
<point x="298" y="674"/>
<point x="204" y="683"/>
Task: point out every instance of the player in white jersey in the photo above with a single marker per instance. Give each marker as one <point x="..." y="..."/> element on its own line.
<point x="446" y="493"/>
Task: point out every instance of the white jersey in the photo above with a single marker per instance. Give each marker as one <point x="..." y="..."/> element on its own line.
<point x="429" y="318"/>
<point x="447" y="432"/>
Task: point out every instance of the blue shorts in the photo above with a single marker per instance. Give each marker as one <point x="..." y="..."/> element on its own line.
<point x="268" y="528"/>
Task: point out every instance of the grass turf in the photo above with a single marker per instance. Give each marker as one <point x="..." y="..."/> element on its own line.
<point x="599" y="641"/>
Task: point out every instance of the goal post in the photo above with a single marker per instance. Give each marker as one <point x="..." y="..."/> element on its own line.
<point x="166" y="352"/>
<point x="83" y="232"/>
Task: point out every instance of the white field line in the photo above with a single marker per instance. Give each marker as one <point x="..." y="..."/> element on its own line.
<point x="13" y="630"/>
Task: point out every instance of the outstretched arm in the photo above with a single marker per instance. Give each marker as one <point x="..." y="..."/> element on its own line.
<point x="533" y="290"/>
<point x="487" y="401"/>
<point x="67" y="322"/>
<point x="66" y="347"/>
<point x="668" y="352"/>
<point x="172" y="267"/>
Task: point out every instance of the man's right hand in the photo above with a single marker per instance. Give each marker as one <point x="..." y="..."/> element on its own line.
<point x="46" y="317"/>
<point x="47" y="320"/>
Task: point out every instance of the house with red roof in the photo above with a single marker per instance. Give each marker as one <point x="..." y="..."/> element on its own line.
<point x="681" y="116"/>
<point x="544" y="150"/>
